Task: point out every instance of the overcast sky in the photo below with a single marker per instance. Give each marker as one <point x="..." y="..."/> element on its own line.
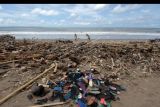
<point x="80" y="15"/>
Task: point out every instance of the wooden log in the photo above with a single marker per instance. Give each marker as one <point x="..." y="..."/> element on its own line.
<point x="28" y="83"/>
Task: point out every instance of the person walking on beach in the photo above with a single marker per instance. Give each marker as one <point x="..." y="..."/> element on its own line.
<point x="88" y="37"/>
<point x="75" y="36"/>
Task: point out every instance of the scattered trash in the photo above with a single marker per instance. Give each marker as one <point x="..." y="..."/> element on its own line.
<point x="84" y="93"/>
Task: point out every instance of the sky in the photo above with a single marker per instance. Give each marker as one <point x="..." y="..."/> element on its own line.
<point x="80" y="15"/>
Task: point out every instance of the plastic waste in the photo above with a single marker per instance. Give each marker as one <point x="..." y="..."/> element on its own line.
<point x="59" y="89"/>
<point x="102" y="101"/>
<point x="41" y="101"/>
<point x="81" y="103"/>
<point x="68" y="95"/>
<point x="90" y="83"/>
<point x="80" y="95"/>
<point x="90" y="80"/>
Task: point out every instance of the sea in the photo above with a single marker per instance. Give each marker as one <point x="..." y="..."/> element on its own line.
<point x="96" y="33"/>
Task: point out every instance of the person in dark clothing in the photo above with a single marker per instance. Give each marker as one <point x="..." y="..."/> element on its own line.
<point x="75" y="36"/>
<point x="88" y="37"/>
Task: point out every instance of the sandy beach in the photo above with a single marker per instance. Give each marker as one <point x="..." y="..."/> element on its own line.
<point x="79" y="55"/>
<point x="136" y="63"/>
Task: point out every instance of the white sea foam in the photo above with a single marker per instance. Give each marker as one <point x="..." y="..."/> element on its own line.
<point x="80" y="33"/>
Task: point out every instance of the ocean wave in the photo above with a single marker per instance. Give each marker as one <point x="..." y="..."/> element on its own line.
<point x="79" y="33"/>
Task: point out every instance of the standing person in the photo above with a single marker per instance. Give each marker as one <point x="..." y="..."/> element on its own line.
<point x="75" y="36"/>
<point x="88" y="37"/>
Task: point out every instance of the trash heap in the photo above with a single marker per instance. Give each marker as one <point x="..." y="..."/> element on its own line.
<point x="7" y="42"/>
<point x="85" y="89"/>
<point x="6" y="38"/>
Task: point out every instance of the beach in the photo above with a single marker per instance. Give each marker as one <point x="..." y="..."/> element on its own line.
<point x="135" y="63"/>
<point x="79" y="55"/>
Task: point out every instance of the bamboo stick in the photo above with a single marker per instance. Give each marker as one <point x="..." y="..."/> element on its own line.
<point x="51" y="104"/>
<point x="28" y="83"/>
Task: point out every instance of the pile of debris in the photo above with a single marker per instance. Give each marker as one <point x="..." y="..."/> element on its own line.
<point x="154" y="40"/>
<point x="7" y="38"/>
<point x="86" y="89"/>
<point x="119" y="58"/>
<point x="115" y="60"/>
<point x="8" y="42"/>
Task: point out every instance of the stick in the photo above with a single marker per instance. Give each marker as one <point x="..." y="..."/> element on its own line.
<point x="31" y="84"/>
<point x="112" y="63"/>
<point x="9" y="62"/>
<point x="13" y="64"/>
<point x="28" y="83"/>
<point x="51" y="104"/>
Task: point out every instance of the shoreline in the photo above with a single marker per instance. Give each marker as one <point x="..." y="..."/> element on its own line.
<point x="95" y="35"/>
<point x="92" y="40"/>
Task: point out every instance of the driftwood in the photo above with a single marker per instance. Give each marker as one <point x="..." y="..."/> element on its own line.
<point x="28" y="83"/>
<point x="51" y="104"/>
<point x="9" y="62"/>
<point x="112" y="63"/>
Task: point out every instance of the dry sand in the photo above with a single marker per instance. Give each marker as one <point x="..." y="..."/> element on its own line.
<point x="142" y="92"/>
